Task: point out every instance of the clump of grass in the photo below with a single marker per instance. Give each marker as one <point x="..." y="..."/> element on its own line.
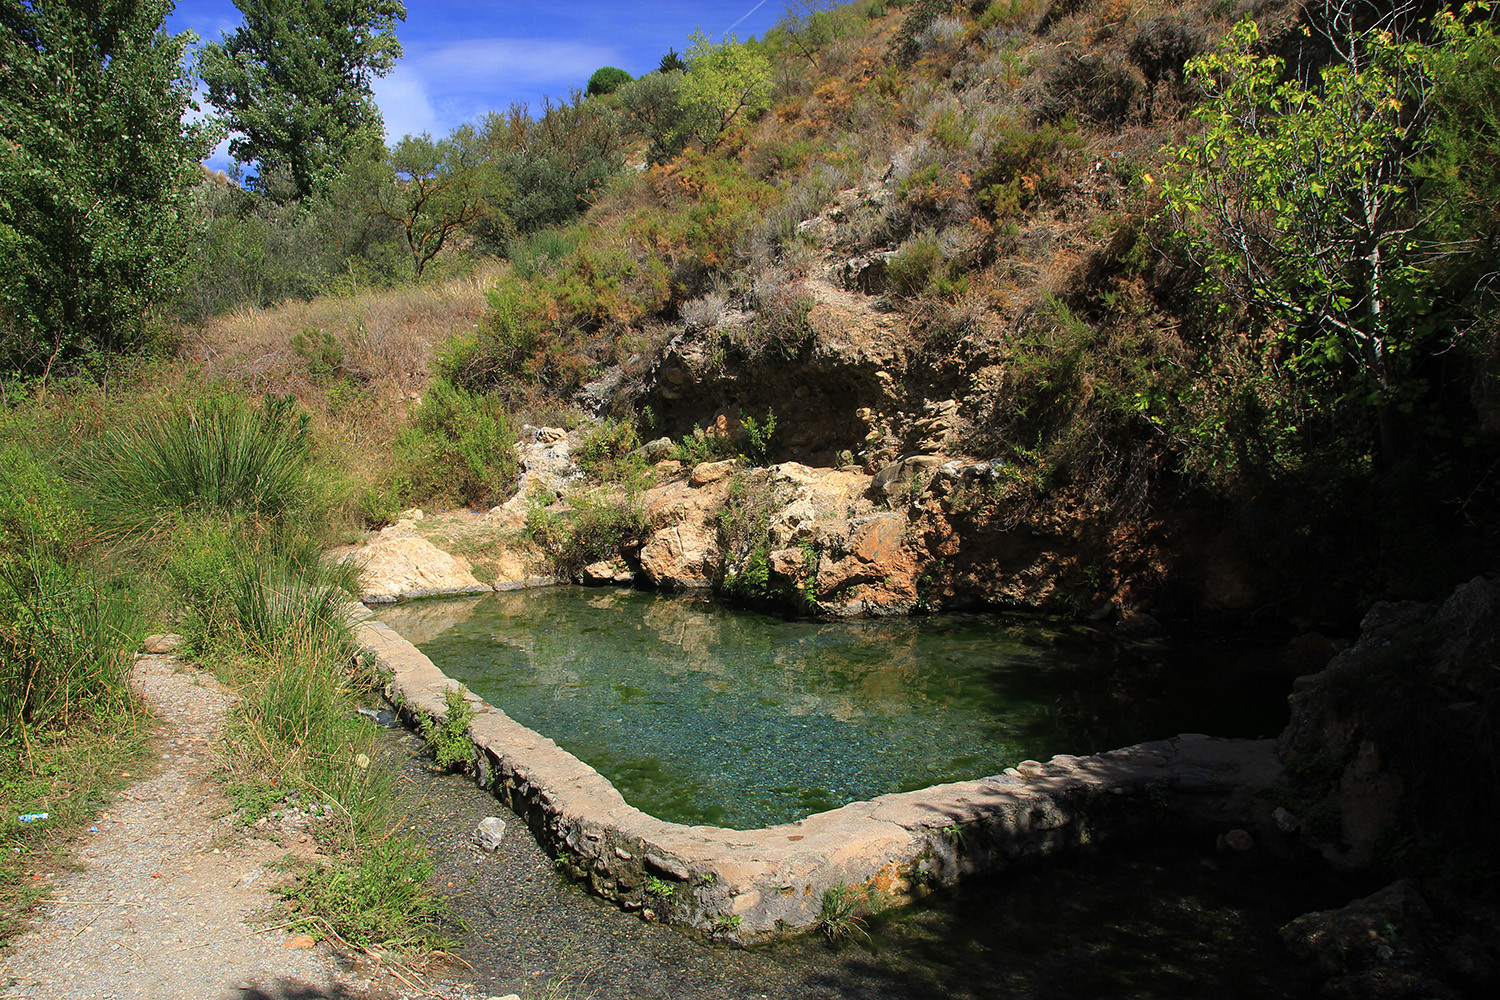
<point x="220" y="459"/>
<point x="449" y="740"/>
<point x="382" y="899"/>
<point x="838" y="916"/>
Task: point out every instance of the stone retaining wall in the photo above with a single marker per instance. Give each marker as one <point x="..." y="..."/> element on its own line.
<point x="748" y="886"/>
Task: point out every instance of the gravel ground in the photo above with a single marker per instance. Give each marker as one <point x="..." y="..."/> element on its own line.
<point x="167" y="899"/>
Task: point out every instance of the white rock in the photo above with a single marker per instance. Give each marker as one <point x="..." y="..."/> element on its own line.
<point x="490" y="832"/>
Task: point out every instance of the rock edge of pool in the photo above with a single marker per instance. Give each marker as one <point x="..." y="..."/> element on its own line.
<point x="754" y="886"/>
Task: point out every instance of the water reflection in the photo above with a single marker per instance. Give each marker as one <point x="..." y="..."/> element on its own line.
<point x="699" y="713"/>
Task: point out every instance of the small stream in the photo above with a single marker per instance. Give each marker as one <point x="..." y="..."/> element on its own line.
<point x="704" y="714"/>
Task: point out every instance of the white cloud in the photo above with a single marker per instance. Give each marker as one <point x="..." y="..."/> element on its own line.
<point x="405" y="105"/>
<point x="497" y="61"/>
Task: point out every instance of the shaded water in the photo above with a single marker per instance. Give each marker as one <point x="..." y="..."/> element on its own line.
<point x="700" y="713"/>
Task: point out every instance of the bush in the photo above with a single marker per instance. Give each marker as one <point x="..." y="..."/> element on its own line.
<point x="221" y="459"/>
<point x="460" y="447"/>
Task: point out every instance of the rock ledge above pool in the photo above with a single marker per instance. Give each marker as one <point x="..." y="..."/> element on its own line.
<point x="748" y="886"/>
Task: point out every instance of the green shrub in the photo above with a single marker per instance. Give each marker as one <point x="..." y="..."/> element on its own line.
<point x="460" y="447"/>
<point x="1026" y="165"/>
<point x="449" y="740"/>
<point x="222" y="459"/>
<point x="606" y="451"/>
<point x="66" y="644"/>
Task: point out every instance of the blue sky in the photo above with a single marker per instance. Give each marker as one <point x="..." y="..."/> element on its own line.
<point x="464" y="59"/>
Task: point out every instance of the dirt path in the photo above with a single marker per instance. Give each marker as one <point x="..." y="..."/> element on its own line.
<point x="171" y="897"/>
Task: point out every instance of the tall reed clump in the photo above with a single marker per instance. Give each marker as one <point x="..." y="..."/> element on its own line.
<point x="65" y="637"/>
<point x="228" y="491"/>
<point x="221" y="459"/>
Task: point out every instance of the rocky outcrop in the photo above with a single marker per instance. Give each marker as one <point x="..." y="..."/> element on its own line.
<point x="1370" y="736"/>
<point x="400" y="564"/>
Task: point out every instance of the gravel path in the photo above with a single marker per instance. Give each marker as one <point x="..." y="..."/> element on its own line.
<point x="167" y="901"/>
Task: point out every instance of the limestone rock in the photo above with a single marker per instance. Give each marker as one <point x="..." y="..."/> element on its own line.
<point x="606" y="571"/>
<point x="1346" y="939"/>
<point x="919" y="468"/>
<point x="490" y="832"/>
<point x="402" y="567"/>
<point x="711" y="472"/>
<point x="683" y="556"/>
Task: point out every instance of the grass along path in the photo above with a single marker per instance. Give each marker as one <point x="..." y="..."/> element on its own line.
<point x="171" y="896"/>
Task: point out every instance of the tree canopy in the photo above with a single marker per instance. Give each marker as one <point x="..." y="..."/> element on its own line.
<point x="92" y="165"/>
<point x="293" y="84"/>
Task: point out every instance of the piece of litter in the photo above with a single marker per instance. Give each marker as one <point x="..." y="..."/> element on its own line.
<point x="93" y="829"/>
<point x="31" y="817"/>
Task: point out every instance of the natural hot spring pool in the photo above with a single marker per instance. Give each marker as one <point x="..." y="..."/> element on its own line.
<point x="700" y="713"/>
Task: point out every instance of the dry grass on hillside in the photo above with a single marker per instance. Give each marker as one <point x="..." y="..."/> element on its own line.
<point x="384" y="337"/>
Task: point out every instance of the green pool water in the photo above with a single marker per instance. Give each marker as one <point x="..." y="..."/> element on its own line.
<point x="699" y="713"/>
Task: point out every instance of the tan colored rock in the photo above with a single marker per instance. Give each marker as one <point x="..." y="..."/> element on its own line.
<point x="683" y="556"/>
<point x="403" y="567"/>
<point x="162" y="645"/>
<point x="711" y="472"/>
<point x="787" y="564"/>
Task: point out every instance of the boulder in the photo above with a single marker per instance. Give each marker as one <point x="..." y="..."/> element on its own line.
<point x="711" y="472"/>
<point x="394" y="568"/>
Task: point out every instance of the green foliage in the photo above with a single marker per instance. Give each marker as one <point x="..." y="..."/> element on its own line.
<point x="838" y="916"/>
<point x="1026" y="165"/>
<point x="660" y="888"/>
<point x="66" y="641"/>
<point x="293" y="85"/>
<point x="607" y="80"/>
<point x="671" y="62"/>
<point x="92" y="166"/>
<point x="652" y="107"/>
<point x="725" y="82"/>
<point x="602" y="524"/>
<point x="605" y="451"/>
<point x="383" y="899"/>
<point x="696" y="448"/>
<point x="553" y="163"/>
<point x="221" y="458"/>
<point x="458" y="447"/>
<point x="1298" y="200"/>
<point x="759" y="437"/>
<point x="538" y="254"/>
<point x="433" y="189"/>
<point x="448" y="741"/>
<point x="246" y="248"/>
<point x="919" y="267"/>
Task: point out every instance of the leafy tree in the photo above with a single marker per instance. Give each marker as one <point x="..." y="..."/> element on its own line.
<point x="652" y="107"/>
<point x="94" y="156"/>
<point x="606" y="80"/>
<point x="723" y="83"/>
<point x="808" y="27"/>
<point x="436" y="188"/>
<point x="555" y="161"/>
<point x="293" y="84"/>
<point x="1304" y="194"/>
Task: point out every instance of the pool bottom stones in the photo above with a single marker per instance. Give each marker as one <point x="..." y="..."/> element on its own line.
<point x="753" y="886"/>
